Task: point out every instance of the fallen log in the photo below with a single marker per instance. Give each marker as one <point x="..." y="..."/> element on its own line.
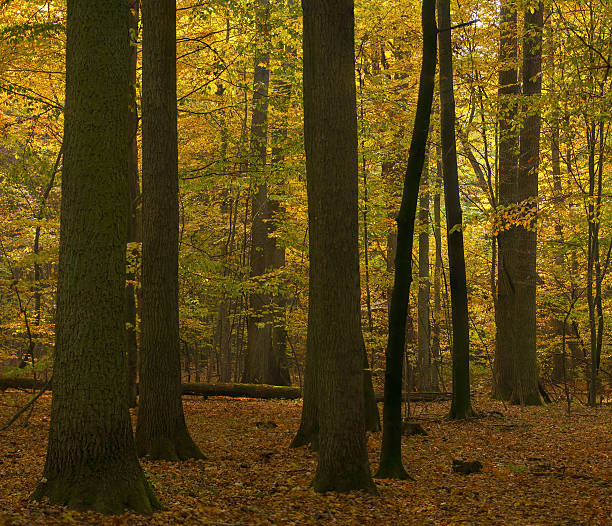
<point x="21" y="383"/>
<point x="202" y="389"/>
<point x="420" y="396"/>
<point x="261" y="391"/>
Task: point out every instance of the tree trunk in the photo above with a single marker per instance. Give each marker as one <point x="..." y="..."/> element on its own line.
<point x="461" y="406"/>
<point x="308" y="431"/>
<point x="503" y="369"/>
<point x="559" y="365"/>
<point x="334" y="340"/>
<point x="91" y="459"/>
<point x="525" y="388"/>
<point x="262" y="363"/>
<point x="223" y="331"/>
<point x="277" y="210"/>
<point x="161" y="432"/>
<point x="390" y="465"/>
<point x="437" y="315"/>
<point x="424" y="365"/>
<point x="594" y="270"/>
<point x="134" y="223"/>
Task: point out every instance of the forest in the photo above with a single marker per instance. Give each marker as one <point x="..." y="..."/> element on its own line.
<point x="337" y="261"/>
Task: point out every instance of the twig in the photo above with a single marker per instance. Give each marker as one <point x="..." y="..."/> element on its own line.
<point x="459" y="26"/>
<point x="26" y="407"/>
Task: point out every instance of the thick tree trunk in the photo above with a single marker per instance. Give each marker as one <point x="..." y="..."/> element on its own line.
<point x="262" y="362"/>
<point x="390" y="465"/>
<point x="334" y="336"/>
<point x="134" y="223"/>
<point x="308" y="430"/>
<point x="91" y="459"/>
<point x="424" y="363"/>
<point x="161" y="432"/>
<point x="461" y="405"/>
<point x="503" y="369"/>
<point x="525" y="385"/>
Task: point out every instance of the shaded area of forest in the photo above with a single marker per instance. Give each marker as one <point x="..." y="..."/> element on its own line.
<point x="250" y="476"/>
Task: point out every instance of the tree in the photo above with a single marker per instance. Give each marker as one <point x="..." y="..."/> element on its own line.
<point x="508" y="172"/>
<point x="161" y="431"/>
<point x="91" y="459"/>
<point x="264" y="363"/>
<point x="525" y="389"/>
<point x="335" y="344"/>
<point x="134" y="223"/>
<point x="390" y="465"/>
<point x="437" y="308"/>
<point x="424" y="364"/>
<point x="461" y="406"/>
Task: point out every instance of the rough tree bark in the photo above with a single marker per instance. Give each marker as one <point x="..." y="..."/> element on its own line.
<point x="503" y="369"/>
<point x="161" y="432"/>
<point x="262" y="363"/>
<point x="335" y="348"/>
<point x="461" y="406"/>
<point x="390" y="465"/>
<point x="91" y="459"/>
<point x="134" y="223"/>
<point x="525" y="388"/>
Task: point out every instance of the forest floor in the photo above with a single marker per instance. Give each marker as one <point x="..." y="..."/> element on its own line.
<point x="540" y="467"/>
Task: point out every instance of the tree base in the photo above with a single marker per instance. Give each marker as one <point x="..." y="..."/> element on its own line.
<point x="392" y="470"/>
<point x="344" y="484"/>
<point x="163" y="447"/>
<point x="533" y="399"/>
<point x="304" y="438"/>
<point x="109" y="493"/>
<point x="462" y="413"/>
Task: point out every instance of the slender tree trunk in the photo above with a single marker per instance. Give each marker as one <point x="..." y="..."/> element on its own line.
<point x="390" y="465"/>
<point x="594" y="273"/>
<point x="437" y="315"/>
<point x="91" y="459"/>
<point x="229" y="206"/>
<point x="559" y="368"/>
<point x="503" y="370"/>
<point x="282" y="90"/>
<point x="391" y="252"/>
<point x="161" y="432"/>
<point x="424" y="365"/>
<point x="334" y="340"/>
<point x="134" y="223"/>
<point x="366" y="241"/>
<point x="461" y="405"/>
<point x="525" y="388"/>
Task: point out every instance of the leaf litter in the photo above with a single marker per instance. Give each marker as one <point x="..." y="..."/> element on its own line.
<point x="539" y="467"/>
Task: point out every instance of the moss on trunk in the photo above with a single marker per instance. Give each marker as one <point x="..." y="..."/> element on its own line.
<point x="106" y="490"/>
